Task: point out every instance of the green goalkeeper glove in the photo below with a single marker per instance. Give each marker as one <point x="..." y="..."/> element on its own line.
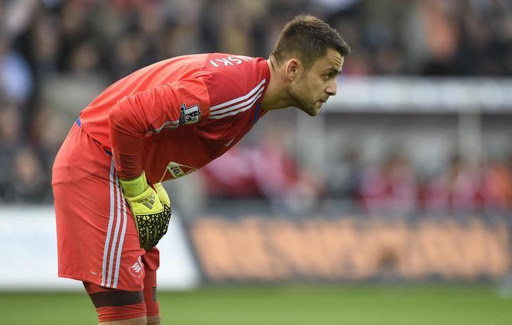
<point x="151" y="209"/>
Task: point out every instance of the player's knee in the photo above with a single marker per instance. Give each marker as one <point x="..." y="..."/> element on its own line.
<point x="152" y="308"/>
<point x="116" y="306"/>
<point x="133" y="321"/>
<point x="128" y="314"/>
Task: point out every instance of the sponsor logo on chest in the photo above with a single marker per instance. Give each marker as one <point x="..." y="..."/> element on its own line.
<point x="179" y="170"/>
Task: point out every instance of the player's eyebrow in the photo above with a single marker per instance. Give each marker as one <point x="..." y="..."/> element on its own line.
<point x="333" y="70"/>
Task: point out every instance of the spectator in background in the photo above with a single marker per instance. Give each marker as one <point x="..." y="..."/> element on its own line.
<point x="76" y="30"/>
<point x="45" y="44"/>
<point x="344" y="176"/>
<point x="441" y="36"/>
<point x="435" y="195"/>
<point x="10" y="140"/>
<point x="390" y="190"/>
<point x="48" y="132"/>
<point x="39" y="44"/>
<point x="30" y="180"/>
<point x="150" y="25"/>
<point x="22" y="177"/>
<point x="497" y="187"/>
<point x="129" y="50"/>
<point x="464" y="185"/>
<point x="15" y="76"/>
<point x="456" y="190"/>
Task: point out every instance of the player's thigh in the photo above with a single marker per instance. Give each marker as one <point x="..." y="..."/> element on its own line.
<point x="96" y="235"/>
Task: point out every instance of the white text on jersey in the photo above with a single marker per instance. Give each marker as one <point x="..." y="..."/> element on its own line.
<point x="230" y="60"/>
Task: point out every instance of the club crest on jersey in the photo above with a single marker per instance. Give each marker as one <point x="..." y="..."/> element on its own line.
<point x="189" y="115"/>
<point x="137" y="269"/>
<point x="179" y="170"/>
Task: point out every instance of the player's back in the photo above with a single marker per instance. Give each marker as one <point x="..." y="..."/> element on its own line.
<point x="189" y="110"/>
<point x="94" y="117"/>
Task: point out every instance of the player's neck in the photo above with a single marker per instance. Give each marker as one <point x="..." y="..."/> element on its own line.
<point x="276" y="95"/>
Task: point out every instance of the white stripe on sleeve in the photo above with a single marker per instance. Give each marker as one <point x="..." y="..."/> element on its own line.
<point x="235" y="112"/>
<point x="242" y="105"/>
<point x="239" y="99"/>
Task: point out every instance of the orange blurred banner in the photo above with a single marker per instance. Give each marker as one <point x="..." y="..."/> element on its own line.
<point x="263" y="250"/>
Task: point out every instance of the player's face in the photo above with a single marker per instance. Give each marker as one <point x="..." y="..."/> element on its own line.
<point x="312" y="89"/>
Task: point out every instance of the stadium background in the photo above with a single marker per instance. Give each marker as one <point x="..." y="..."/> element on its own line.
<point x="393" y="206"/>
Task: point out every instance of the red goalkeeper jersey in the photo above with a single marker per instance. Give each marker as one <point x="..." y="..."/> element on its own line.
<point x="175" y="116"/>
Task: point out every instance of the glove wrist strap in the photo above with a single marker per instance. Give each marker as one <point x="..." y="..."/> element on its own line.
<point x="134" y="187"/>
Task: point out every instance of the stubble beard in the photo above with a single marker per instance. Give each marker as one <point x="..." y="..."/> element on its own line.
<point x="301" y="97"/>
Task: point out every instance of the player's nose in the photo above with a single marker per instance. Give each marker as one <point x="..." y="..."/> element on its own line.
<point x="332" y="88"/>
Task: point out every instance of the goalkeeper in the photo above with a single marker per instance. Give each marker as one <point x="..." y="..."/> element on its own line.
<point x="160" y="123"/>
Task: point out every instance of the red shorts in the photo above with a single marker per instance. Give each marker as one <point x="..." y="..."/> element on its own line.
<point x="96" y="235"/>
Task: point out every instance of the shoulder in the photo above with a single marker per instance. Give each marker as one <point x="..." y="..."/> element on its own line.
<point x="235" y="79"/>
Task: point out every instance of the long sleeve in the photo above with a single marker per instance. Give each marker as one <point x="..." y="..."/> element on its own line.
<point x="135" y="117"/>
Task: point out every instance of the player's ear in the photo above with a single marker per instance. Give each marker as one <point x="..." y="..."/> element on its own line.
<point x="293" y="67"/>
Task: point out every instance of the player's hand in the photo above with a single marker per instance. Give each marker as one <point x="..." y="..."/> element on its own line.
<point x="151" y="209"/>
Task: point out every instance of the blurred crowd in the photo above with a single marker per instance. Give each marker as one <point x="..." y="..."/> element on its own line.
<point x="56" y="55"/>
<point x="396" y="188"/>
<point x="391" y="188"/>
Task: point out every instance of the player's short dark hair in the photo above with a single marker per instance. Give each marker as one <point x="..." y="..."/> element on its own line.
<point x="308" y="38"/>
